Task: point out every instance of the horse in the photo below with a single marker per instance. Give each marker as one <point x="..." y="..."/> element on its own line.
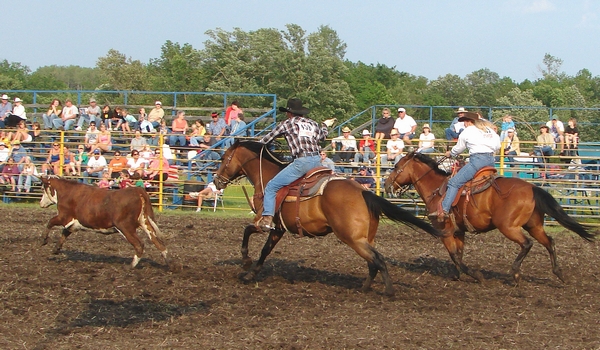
<point x="344" y="208"/>
<point x="509" y="204"/>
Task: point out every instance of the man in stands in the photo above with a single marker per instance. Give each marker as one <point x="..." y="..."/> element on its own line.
<point x="69" y="113"/>
<point x="5" y="109"/>
<point x="156" y="114"/>
<point x="456" y="127"/>
<point x="216" y="127"/>
<point x="406" y="126"/>
<point x="92" y="114"/>
<point x="95" y="167"/>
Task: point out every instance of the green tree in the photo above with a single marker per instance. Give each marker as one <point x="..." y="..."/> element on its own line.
<point x="119" y="72"/>
<point x="13" y="75"/>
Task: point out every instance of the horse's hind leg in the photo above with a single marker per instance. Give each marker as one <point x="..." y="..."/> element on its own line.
<point x="455" y="247"/>
<point x="540" y="235"/>
<point x="378" y="264"/>
<point x="246" y="259"/>
<point x="274" y="237"/>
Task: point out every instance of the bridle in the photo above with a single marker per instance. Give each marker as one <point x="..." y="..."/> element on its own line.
<point x="226" y="181"/>
<point x="396" y="172"/>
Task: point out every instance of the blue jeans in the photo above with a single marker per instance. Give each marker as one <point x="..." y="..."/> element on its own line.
<point x="291" y="173"/>
<point x="67" y="124"/>
<point x="545" y="151"/>
<point x="26" y="180"/>
<point x="85" y="118"/>
<point x="48" y="120"/>
<point x="173" y="138"/>
<point x="365" y="156"/>
<point x="466" y="173"/>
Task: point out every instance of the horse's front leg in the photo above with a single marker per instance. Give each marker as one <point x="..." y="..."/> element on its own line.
<point x="274" y="237"/>
<point x="455" y="247"/>
<point x="246" y="259"/>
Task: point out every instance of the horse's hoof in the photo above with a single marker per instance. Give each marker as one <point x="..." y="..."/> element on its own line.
<point x="560" y="276"/>
<point x="246" y="263"/>
<point x="479" y="277"/>
<point x="389" y="292"/>
<point x="247" y="277"/>
<point x="517" y="278"/>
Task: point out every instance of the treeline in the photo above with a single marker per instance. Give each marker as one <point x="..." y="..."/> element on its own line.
<point x="310" y="66"/>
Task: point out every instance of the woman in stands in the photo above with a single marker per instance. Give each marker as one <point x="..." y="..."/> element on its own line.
<point x="104" y="143"/>
<point x="54" y="112"/>
<point x="27" y="176"/>
<point x="21" y="134"/>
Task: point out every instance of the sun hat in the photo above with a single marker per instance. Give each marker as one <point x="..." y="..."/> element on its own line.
<point x="18" y="99"/>
<point x="294" y="106"/>
<point x="394" y="132"/>
<point x="461" y="110"/>
<point x="401" y="110"/>
<point x="510" y="130"/>
<point x="158" y="103"/>
<point x="366" y="132"/>
<point x="16" y="142"/>
<point x="426" y="126"/>
<point x="92" y="100"/>
<point x="346" y="129"/>
<point x="5" y="97"/>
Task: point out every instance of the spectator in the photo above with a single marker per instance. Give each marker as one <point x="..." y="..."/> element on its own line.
<point x="80" y="159"/>
<point x="115" y="119"/>
<point x="394" y="148"/>
<point x="22" y="133"/>
<point x="69" y="113"/>
<point x="384" y="126"/>
<point x="237" y="129"/>
<point x="326" y="162"/>
<point x="125" y="179"/>
<point x="117" y="164"/>
<point x="18" y="114"/>
<point x="91" y="136"/>
<point x="10" y="173"/>
<point x="156" y="171"/>
<point x="406" y="126"/>
<point x="344" y="145"/>
<point x="545" y="144"/>
<point x="571" y="137"/>
<point x="53" y="160"/>
<point x="107" y="115"/>
<point x="456" y="127"/>
<point x="135" y="164"/>
<point x="207" y="156"/>
<point x="511" y="146"/>
<point x="91" y="114"/>
<point x="365" y="177"/>
<point x="35" y="131"/>
<point x="210" y="191"/>
<point x="105" y="181"/>
<point x="143" y="124"/>
<point x="5" y="109"/>
<point x="557" y="129"/>
<point x="28" y="175"/>
<point x="4" y="154"/>
<point x="179" y="127"/>
<point x="216" y="127"/>
<point x="53" y="112"/>
<point x="232" y="112"/>
<point x="104" y="143"/>
<point x="198" y="131"/>
<point x="146" y="154"/>
<point x="366" y="148"/>
<point x="507" y="123"/>
<point x="129" y="122"/>
<point x="68" y="161"/>
<point x="137" y="142"/>
<point x="156" y="115"/>
<point x="96" y="166"/>
<point x="426" y="140"/>
<point x="18" y="153"/>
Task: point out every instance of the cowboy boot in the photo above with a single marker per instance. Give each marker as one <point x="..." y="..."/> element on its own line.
<point x="266" y="223"/>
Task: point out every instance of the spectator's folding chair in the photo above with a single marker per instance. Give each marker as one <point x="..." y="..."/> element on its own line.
<point x="214" y="201"/>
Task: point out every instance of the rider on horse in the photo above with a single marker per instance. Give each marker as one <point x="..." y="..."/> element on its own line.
<point x="482" y="142"/>
<point x="303" y="136"/>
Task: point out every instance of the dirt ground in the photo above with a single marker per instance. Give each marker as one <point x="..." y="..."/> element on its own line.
<point x="306" y="297"/>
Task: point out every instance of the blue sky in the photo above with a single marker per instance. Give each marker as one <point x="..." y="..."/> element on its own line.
<point x="422" y="37"/>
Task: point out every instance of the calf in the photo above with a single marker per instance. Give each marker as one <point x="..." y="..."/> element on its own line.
<point x="83" y="206"/>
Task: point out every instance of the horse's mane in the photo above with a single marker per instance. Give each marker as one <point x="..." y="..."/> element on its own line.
<point x="257" y="147"/>
<point x="423" y="158"/>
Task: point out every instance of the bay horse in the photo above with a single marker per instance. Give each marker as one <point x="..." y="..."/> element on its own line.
<point x="344" y="208"/>
<point x="509" y="204"/>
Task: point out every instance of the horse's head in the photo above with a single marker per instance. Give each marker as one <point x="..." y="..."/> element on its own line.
<point x="230" y="168"/>
<point x="49" y="195"/>
<point x="411" y="169"/>
<point x="400" y="176"/>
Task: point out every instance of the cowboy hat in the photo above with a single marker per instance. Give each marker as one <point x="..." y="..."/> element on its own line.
<point x="472" y="116"/>
<point x="426" y="126"/>
<point x="366" y="132"/>
<point x="461" y="110"/>
<point x="294" y="106"/>
<point x="346" y="129"/>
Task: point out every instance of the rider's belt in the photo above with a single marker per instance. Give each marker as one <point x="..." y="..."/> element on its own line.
<point x="307" y="154"/>
<point x="485" y="154"/>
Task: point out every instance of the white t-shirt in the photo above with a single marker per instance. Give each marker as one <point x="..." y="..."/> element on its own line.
<point x="404" y="125"/>
<point x="477" y="141"/>
<point x="349" y="142"/>
<point x="395" y="147"/>
<point x="427" y="140"/>
<point x="70" y="112"/>
<point x="20" y="111"/>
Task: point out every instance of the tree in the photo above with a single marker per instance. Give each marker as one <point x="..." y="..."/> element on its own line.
<point x="13" y="76"/>
<point x="122" y="73"/>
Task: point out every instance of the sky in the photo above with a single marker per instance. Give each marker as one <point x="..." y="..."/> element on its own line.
<point x="421" y="37"/>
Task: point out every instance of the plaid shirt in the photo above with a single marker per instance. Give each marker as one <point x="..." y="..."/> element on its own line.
<point x="302" y="135"/>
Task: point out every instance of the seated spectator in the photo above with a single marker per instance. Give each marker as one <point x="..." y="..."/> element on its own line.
<point x="91" y="114"/>
<point x="135" y="164"/>
<point x="9" y="174"/>
<point x="68" y="117"/>
<point x="366" y="148"/>
<point x="91" y="137"/>
<point x="384" y="126"/>
<point x="216" y="127"/>
<point x="35" y="131"/>
<point x="144" y="125"/>
<point x="507" y="123"/>
<point x="207" y="157"/>
<point x="4" y="154"/>
<point x="511" y="146"/>
<point x="426" y="140"/>
<point x="52" y="165"/>
<point x="365" y="177"/>
<point x="571" y="137"/>
<point x="53" y="112"/>
<point x="124" y="179"/>
<point x="115" y="119"/>
<point x="394" y="148"/>
<point x="18" y="153"/>
<point x="137" y="181"/>
<point x="129" y="122"/>
<point x="104" y="143"/>
<point x="326" y="162"/>
<point x="96" y="166"/>
<point x="156" y="171"/>
<point x="345" y="146"/>
<point x="557" y="130"/>
<point x="106" y="115"/>
<point x="117" y="164"/>
<point x="105" y="181"/>
<point x="80" y="159"/>
<point x="456" y="127"/>
<point x="156" y="114"/>
<point x="21" y="133"/>
<point x="545" y="145"/>
<point x="146" y="154"/>
<point x="210" y="191"/>
<point x="18" y="114"/>
<point x="406" y="126"/>
<point x="5" y="109"/>
<point x="137" y="142"/>
<point x="69" y="161"/>
<point x="236" y="129"/>
<point x="198" y="131"/>
<point x="179" y="127"/>
<point x="28" y="175"/>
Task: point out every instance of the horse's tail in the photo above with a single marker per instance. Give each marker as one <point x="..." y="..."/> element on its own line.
<point x="378" y="205"/>
<point x="545" y="203"/>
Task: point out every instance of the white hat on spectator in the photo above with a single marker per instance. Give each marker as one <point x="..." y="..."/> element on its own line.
<point x="158" y="103"/>
<point x="18" y="99"/>
<point x="401" y="110"/>
<point x="426" y="126"/>
<point x="461" y="110"/>
<point x="366" y="132"/>
<point x="5" y="97"/>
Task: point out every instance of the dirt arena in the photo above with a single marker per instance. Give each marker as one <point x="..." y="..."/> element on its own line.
<point x="305" y="298"/>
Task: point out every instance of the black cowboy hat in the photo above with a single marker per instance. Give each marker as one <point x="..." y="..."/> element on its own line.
<point x="472" y="116"/>
<point x="294" y="106"/>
